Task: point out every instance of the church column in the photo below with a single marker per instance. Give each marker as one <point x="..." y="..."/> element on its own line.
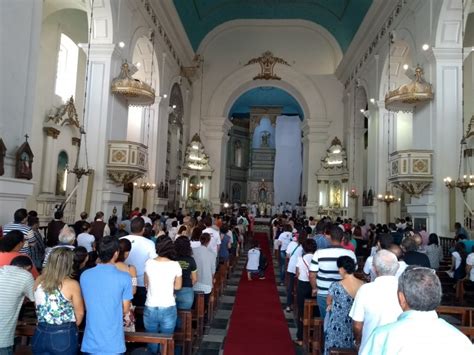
<point x="49" y="171"/>
<point x="106" y="119"/>
<point x="216" y="136"/>
<point x="315" y="136"/>
<point x="161" y="137"/>
<point x="19" y="58"/>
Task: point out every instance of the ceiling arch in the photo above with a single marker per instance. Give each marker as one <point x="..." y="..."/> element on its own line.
<point x="340" y="17"/>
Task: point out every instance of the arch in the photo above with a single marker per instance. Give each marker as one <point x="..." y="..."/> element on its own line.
<point x="448" y="24"/>
<point x="299" y="86"/>
<point x="144" y="53"/>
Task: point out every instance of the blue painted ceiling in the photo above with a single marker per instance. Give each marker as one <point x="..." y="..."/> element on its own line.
<point x="265" y="96"/>
<point x="340" y="17"/>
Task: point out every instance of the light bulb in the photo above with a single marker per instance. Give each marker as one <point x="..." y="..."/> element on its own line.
<point x="165" y="96"/>
<point x="121" y="44"/>
<point x="405" y="66"/>
<point x="138" y="65"/>
<point x="425" y="47"/>
<point x="362" y="110"/>
<point x="372" y="100"/>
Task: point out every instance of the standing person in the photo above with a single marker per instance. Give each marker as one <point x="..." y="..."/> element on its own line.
<point x="226" y="244"/>
<point x="17" y="283"/>
<point x="418" y="330"/>
<point x="458" y="262"/>
<point x="434" y="251"/>
<point x="107" y="294"/>
<point x="142" y="250"/>
<point x="303" y="289"/>
<point x="124" y="251"/>
<point x="86" y="239"/>
<point x="206" y="266"/>
<point x="20" y="220"/>
<point x="184" y="256"/>
<point x="78" y="224"/>
<point x="411" y="254"/>
<point x="99" y="228"/>
<point x="59" y="306"/>
<point x="215" y="242"/>
<point x="294" y="250"/>
<point x="54" y="228"/>
<point x="324" y="270"/>
<point x="284" y="239"/>
<point x="376" y="303"/>
<point x="66" y="240"/>
<point x="10" y="246"/>
<point x="163" y="276"/>
<point x="37" y="250"/>
<point x="340" y="298"/>
<point x="322" y="238"/>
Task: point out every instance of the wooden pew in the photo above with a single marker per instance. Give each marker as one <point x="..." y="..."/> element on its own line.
<point x="468" y="331"/>
<point x="463" y="314"/>
<point x="166" y="341"/>
<point x="313" y="335"/>
<point x="198" y="314"/>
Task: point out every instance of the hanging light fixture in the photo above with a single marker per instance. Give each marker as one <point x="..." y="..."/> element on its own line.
<point x="85" y="170"/>
<point x="388" y="197"/>
<point x="465" y="182"/>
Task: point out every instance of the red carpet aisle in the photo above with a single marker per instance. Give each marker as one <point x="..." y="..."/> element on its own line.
<point x="257" y="324"/>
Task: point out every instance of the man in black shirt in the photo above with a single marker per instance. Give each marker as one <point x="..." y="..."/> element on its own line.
<point x="412" y="256"/>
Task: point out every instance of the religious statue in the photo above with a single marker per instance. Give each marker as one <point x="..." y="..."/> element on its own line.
<point x="24" y="159"/>
<point x="262" y="195"/>
<point x="265" y="139"/>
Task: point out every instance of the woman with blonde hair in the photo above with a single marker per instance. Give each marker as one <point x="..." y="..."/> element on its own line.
<point x="59" y="306"/>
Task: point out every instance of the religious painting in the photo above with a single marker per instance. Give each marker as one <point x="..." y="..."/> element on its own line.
<point x="24" y="161"/>
<point x="3" y="151"/>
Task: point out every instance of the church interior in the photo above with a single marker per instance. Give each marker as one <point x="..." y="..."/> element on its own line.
<point x="346" y="111"/>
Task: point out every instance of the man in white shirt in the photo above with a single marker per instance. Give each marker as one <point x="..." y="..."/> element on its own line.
<point x="376" y="303"/>
<point x="293" y="251"/>
<point x="470" y="266"/>
<point x="145" y="217"/>
<point x="384" y="242"/>
<point x="284" y="239"/>
<point x="418" y="329"/>
<point x="142" y="250"/>
<point x="215" y="242"/>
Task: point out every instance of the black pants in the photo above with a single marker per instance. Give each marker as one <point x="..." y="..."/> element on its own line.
<point x="139" y="300"/>
<point x="303" y="291"/>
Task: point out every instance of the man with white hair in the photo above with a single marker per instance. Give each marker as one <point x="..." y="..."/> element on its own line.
<point x="418" y="329"/>
<point x="376" y="303"/>
<point x="66" y="238"/>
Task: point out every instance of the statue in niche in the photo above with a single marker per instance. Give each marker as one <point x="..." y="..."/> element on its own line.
<point x="265" y="143"/>
<point x="262" y="195"/>
<point x="24" y="160"/>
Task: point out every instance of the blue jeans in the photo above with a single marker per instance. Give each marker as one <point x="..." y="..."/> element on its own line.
<point x="321" y="300"/>
<point x="6" y="351"/>
<point x="159" y="320"/>
<point x="185" y="298"/>
<point x="50" y="339"/>
<point x="282" y="266"/>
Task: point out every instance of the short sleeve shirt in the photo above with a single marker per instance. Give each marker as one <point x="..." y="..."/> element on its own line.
<point x="293" y="251"/>
<point x="303" y="264"/>
<point x="188" y="265"/>
<point x="104" y="289"/>
<point x="285" y="239"/>
<point x="470" y="261"/>
<point x="142" y="250"/>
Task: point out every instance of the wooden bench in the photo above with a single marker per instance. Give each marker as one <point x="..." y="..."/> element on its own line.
<point x="313" y="336"/>
<point x="198" y="312"/>
<point x="166" y="341"/>
<point x="463" y="314"/>
<point x="468" y="331"/>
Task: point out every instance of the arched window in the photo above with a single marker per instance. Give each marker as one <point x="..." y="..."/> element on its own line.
<point x="238" y="154"/>
<point x="61" y="174"/>
<point x="66" y="73"/>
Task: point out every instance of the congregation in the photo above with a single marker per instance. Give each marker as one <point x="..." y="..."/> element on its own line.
<point x="100" y="273"/>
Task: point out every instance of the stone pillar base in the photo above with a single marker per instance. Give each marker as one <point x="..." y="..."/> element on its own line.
<point x="13" y="195"/>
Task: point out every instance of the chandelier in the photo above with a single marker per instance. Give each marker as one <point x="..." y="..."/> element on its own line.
<point x="136" y="92"/>
<point x="196" y="158"/>
<point x="388" y="198"/>
<point x="144" y="185"/>
<point x="464" y="184"/>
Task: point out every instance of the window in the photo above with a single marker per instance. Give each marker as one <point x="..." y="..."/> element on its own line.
<point x="61" y="174"/>
<point x="66" y="74"/>
<point x="238" y="154"/>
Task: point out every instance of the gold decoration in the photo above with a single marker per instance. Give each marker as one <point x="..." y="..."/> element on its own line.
<point x="51" y="132"/>
<point x="267" y="63"/>
<point x="68" y="109"/>
<point x="136" y="92"/>
<point x="408" y="96"/>
<point x="413" y="188"/>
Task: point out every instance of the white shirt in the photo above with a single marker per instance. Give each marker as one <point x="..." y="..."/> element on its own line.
<point x="253" y="259"/>
<point x="418" y="332"/>
<point x="368" y="269"/>
<point x="376" y="304"/>
<point x="215" y="238"/>
<point x="401" y="267"/>
<point x="293" y="251"/>
<point x="147" y="219"/>
<point x="457" y="259"/>
<point x="285" y="239"/>
<point x="161" y="276"/>
<point x="303" y="263"/>
<point x="470" y="261"/>
<point x="195" y="244"/>
<point x="172" y="233"/>
<point x="142" y="250"/>
<point x="85" y="240"/>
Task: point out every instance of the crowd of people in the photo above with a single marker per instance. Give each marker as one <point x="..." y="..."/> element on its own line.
<point x="377" y="310"/>
<point x="158" y="261"/>
<point x="100" y="272"/>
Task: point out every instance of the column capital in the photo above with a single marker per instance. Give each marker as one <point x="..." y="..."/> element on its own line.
<point x="51" y="132"/>
<point x="102" y="50"/>
<point x="445" y="54"/>
<point x="216" y="126"/>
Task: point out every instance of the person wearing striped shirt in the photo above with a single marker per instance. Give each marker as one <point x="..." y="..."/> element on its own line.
<point x="17" y="283"/>
<point x="20" y="219"/>
<point x="324" y="270"/>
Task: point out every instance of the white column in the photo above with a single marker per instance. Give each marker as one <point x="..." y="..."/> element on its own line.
<point x="49" y="170"/>
<point x="315" y="137"/>
<point x="215" y="134"/>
